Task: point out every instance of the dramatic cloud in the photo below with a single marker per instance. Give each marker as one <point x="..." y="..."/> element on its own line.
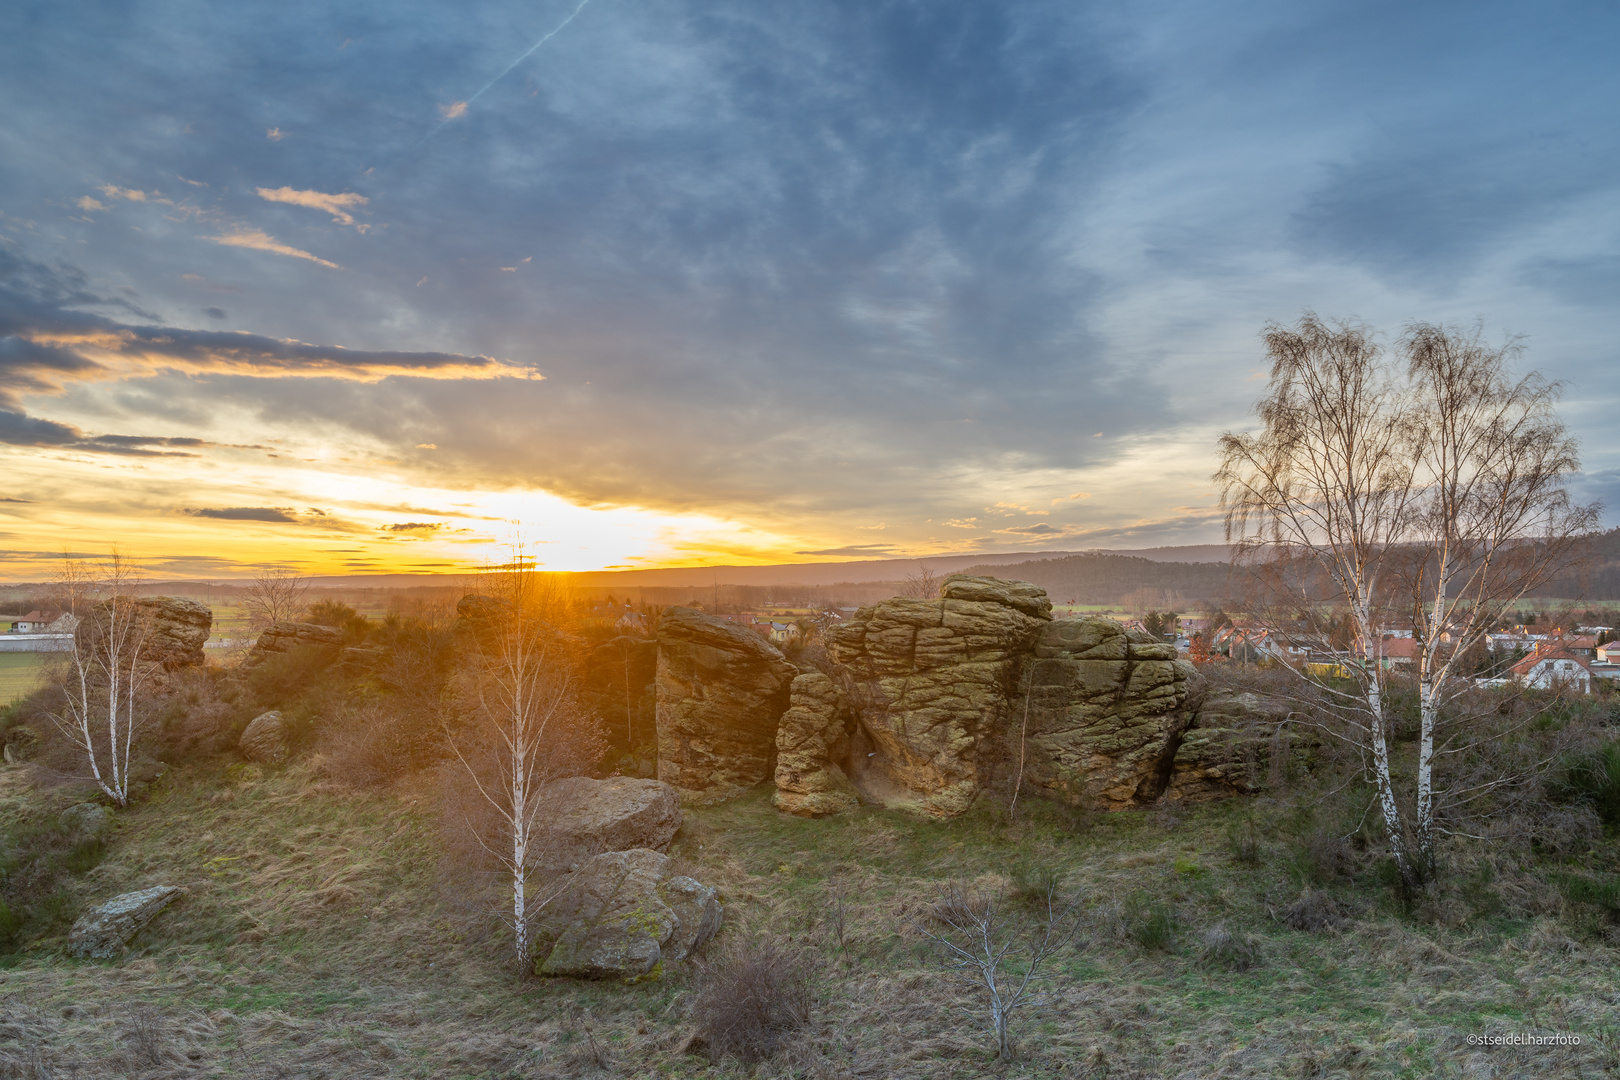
<point x="246" y="513"/>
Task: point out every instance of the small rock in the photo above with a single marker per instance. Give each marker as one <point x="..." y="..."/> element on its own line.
<point x="284" y="637"/>
<point x="265" y="739"/>
<point x="22" y="743"/>
<point x="104" y="931"/>
<point x="621" y="915"/>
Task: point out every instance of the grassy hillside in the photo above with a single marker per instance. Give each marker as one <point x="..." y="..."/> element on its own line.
<point x="322" y="937"/>
<point x="19" y="673"/>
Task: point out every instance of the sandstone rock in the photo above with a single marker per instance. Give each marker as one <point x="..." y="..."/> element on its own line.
<point x="87" y="820"/>
<point x="284" y="637"/>
<point x="721" y="690"/>
<point x="811" y="740"/>
<point x="1237" y="741"/>
<point x="1104" y="713"/>
<point x="931" y="684"/>
<point x="104" y="931"/>
<point x="179" y="628"/>
<point x="585" y="817"/>
<point x="622" y="915"/>
<point x="265" y="739"/>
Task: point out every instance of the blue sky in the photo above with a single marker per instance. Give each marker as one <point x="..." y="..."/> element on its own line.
<point x="799" y="277"/>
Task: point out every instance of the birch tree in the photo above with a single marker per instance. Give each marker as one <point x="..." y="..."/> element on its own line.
<point x="522" y="719"/>
<point x="103" y="687"/>
<point x="1434" y="488"/>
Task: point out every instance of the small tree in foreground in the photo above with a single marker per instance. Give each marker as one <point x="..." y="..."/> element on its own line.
<point x="993" y="955"/>
<point x="106" y="674"/>
<point x="1430" y="492"/>
<point x="522" y="727"/>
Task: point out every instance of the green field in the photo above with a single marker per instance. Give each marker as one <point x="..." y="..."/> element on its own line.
<point x="18" y="674"/>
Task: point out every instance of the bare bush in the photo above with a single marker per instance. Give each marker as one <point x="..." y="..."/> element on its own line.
<point x="755" y="996"/>
<point x="994" y="954"/>
<point x="1314" y="912"/>
<point x="1222" y="948"/>
<point x="276" y="594"/>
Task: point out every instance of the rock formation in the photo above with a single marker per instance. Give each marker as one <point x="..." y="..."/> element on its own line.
<point x="721" y="690"/>
<point x="264" y="739"/>
<point x="812" y="739"/>
<point x="622" y="916"/>
<point x="931" y="682"/>
<point x="929" y="701"/>
<point x="179" y="628"/>
<point x="585" y="817"/>
<point x="1239" y="741"/>
<point x="283" y="637"/>
<point x="105" y="931"/>
<point x="1104" y="713"/>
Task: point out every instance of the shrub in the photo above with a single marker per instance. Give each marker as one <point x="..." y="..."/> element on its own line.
<point x="1224" y="949"/>
<point x="1243" y="842"/>
<point x="1314" y="912"/>
<point x="1034" y="883"/>
<point x="1151" y="924"/>
<point x="1593" y="777"/>
<point x="754" y="998"/>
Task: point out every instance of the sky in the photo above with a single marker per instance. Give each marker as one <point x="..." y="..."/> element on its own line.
<point x="392" y="286"/>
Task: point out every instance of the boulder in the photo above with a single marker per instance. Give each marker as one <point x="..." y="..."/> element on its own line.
<point x="585" y="817"/>
<point x="811" y="740"/>
<point x="283" y="637"/>
<point x="1104" y="712"/>
<point x="106" y="930"/>
<point x="22" y="743"/>
<point x="622" y="915"/>
<point x="178" y="630"/>
<point x="721" y="688"/>
<point x="931" y="682"/>
<point x="1237" y="741"/>
<point x="86" y="820"/>
<point x="265" y="739"/>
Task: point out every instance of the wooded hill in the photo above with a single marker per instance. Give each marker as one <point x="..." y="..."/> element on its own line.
<point x="1095" y="578"/>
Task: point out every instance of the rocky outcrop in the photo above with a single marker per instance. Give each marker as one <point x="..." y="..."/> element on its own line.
<point x="265" y="739"/>
<point x="585" y="817"/>
<point x="623" y="915"/>
<point x="929" y="702"/>
<point x="284" y="637"/>
<point x="86" y="821"/>
<point x="1104" y="712"/>
<point x="178" y="630"/>
<point x="1238" y="742"/>
<point x="721" y="688"/>
<point x="811" y="740"/>
<point x="105" y="931"/>
<point x="931" y="684"/>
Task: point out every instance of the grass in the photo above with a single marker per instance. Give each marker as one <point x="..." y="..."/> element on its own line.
<point x="19" y="672"/>
<point x="318" y="936"/>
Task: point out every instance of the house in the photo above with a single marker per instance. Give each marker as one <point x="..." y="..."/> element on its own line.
<point x="1554" y="668"/>
<point x="1398" y="651"/>
<point x="44" y="622"/>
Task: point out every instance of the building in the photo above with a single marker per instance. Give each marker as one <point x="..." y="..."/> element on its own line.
<point x="1398" y="652"/>
<point x="44" y="622"/>
<point x="1551" y="668"/>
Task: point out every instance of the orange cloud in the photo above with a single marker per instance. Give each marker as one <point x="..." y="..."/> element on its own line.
<point x="453" y="111"/>
<point x="262" y="241"/>
<point x="317" y="200"/>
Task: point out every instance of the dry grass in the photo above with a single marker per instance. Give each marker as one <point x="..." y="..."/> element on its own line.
<point x="318" y="939"/>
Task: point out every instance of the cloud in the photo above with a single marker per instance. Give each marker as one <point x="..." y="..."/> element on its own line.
<point x="1043" y="529"/>
<point x="453" y="111"/>
<point x="215" y="312"/>
<point x="87" y="203"/>
<point x="852" y="550"/>
<point x="315" y="200"/>
<point x="259" y="240"/>
<point x="246" y="513"/>
<point x="275" y="134"/>
<point x="414" y="527"/>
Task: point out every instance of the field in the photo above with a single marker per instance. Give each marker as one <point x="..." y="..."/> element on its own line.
<point x="322" y="936"/>
<point x="18" y="674"/>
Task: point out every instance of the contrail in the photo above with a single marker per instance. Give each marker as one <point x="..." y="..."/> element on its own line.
<point x="509" y="69"/>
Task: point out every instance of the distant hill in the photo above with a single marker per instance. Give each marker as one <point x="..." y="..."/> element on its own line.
<point x="1097" y="578"/>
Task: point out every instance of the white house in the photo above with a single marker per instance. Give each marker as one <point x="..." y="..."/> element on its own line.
<point x="45" y="622"/>
<point x="1547" y="669"/>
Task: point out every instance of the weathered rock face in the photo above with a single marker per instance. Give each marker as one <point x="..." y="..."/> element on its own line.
<point x="265" y="739"/>
<point x="930" y="701"/>
<point x="179" y="628"/>
<point x="104" y="931"/>
<point x="931" y="682"/>
<point x="721" y="690"/>
<point x="284" y="637"/>
<point x="811" y="740"/>
<point x="621" y="916"/>
<point x="1105" y="711"/>
<point x="585" y="817"/>
<point x="1238" y="741"/>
